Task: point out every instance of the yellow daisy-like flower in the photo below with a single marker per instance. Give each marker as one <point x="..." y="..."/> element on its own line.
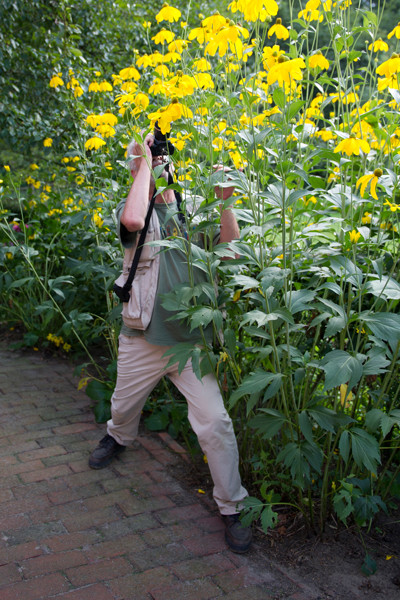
<point x="97" y="220"/>
<point x="378" y="46"/>
<point x="279" y="30"/>
<point x="390" y="67"/>
<point x="352" y="145"/>
<point x="366" y="219"/>
<point x="33" y="166"/>
<point x="129" y="73"/>
<point x="168" y="13"/>
<point x="202" y="64"/>
<point x="286" y="71"/>
<point x="393" y="207"/>
<point x="253" y="10"/>
<point x="7" y="168"/>
<point x="318" y="60"/>
<point x="93" y="86"/>
<point x="48" y="142"/>
<point x="354" y="236"/>
<point x="104" y="86"/>
<point x="94" y="143"/>
<point x="163" y="36"/>
<point x="56" y="81"/>
<point x="166" y="115"/>
<point x="369" y="178"/>
<point x="395" y="31"/>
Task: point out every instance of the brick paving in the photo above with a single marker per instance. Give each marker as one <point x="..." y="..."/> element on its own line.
<point x="128" y="532"/>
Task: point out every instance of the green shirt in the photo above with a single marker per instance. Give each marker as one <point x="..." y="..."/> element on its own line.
<point x="173" y="272"/>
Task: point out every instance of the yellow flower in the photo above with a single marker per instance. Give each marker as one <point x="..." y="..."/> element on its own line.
<point x="389" y="67"/>
<point x="395" y="31"/>
<point x="202" y="64"/>
<point x="104" y="86"/>
<point x="108" y="166"/>
<point x="378" y="46"/>
<point x="366" y="219"/>
<point x="9" y="255"/>
<point x="97" y="220"/>
<point x="48" y="142"/>
<point x="205" y="458"/>
<point x="352" y="145"/>
<point x="129" y="73"/>
<point x="371" y="177"/>
<point x="286" y="71"/>
<point x="168" y="13"/>
<point x="354" y="236"/>
<point x="56" y="81"/>
<point x="78" y="91"/>
<point x="279" y="30"/>
<point x="227" y="37"/>
<point x="255" y="9"/>
<point x="105" y="130"/>
<point x="94" y="86"/>
<point x="166" y="115"/>
<point x="94" y="143"/>
<point x="66" y="347"/>
<point x="318" y="60"/>
<point x="7" y="168"/>
<point x="163" y="36"/>
<point x="393" y="207"/>
<point x="146" y="24"/>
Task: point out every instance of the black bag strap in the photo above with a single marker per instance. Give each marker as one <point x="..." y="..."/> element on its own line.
<point x="123" y="292"/>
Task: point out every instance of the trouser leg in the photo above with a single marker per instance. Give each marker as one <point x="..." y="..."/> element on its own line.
<point x="213" y="427"/>
<point x="140" y="367"/>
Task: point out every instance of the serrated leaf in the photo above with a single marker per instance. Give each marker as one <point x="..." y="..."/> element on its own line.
<point x="364" y="449"/>
<point x="340" y="367"/>
<point x="253" y="383"/>
<point x="268" y="423"/>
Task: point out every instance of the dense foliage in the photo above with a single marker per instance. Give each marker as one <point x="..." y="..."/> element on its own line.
<point x="306" y="319"/>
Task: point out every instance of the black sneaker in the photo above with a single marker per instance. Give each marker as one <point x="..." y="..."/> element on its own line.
<point x="107" y="449"/>
<point x="237" y="536"/>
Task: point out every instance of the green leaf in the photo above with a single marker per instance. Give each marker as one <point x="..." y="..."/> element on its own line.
<point x="334" y="326"/>
<point x="306" y="426"/>
<point x="269" y="518"/>
<point x="204" y="315"/>
<point x="268" y="423"/>
<point x="102" y="411"/>
<point x="298" y="458"/>
<point x="386" y="287"/>
<point x="369" y="565"/>
<point x="279" y="98"/>
<point x="384" y="325"/>
<point x="344" y="445"/>
<point x="294" y="108"/>
<point x="255" y="382"/>
<point x="365" y="449"/>
<point x="158" y="421"/>
<point x="340" y="367"/>
<point x="21" y="282"/>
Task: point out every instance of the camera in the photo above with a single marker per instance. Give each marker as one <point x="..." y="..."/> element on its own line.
<point x="161" y="146"/>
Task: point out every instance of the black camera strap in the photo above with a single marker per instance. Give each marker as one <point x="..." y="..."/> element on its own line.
<point x="123" y="292"/>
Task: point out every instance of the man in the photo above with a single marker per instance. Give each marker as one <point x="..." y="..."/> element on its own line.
<point x="141" y="360"/>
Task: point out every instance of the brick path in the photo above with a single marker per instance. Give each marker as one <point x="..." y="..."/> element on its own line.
<point x="127" y="532"/>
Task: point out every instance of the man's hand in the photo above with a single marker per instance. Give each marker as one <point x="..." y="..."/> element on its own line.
<point x="143" y="152"/>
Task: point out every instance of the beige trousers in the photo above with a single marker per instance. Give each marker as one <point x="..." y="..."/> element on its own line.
<point x="140" y="367"/>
